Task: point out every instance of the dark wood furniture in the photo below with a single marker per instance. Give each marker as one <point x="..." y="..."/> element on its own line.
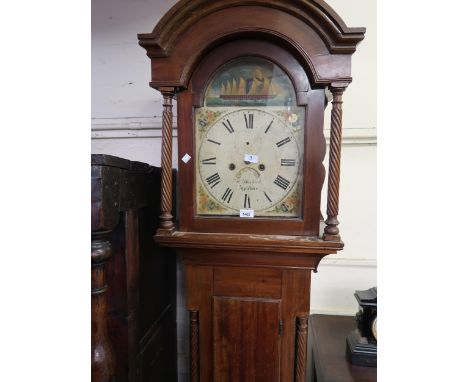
<point x="133" y="279"/>
<point x="329" y="351"/>
<point x="248" y="280"/>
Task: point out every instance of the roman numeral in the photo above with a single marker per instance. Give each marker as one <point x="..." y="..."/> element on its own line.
<point x="227" y="195"/>
<point x="249" y="123"/>
<point x="266" y="195"/>
<point x="209" y="161"/>
<point x="247" y="201"/>
<point x="283" y="142"/>
<point x="268" y="128"/>
<point x="213" y="180"/>
<point x="228" y="126"/>
<point x="281" y="182"/>
<point x="216" y="143"/>
<point x="288" y="162"/>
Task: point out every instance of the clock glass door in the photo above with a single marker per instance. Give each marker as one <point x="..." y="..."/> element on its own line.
<point x="249" y="138"/>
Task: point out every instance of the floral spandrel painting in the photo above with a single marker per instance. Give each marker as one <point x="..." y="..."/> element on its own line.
<point x="250" y="81"/>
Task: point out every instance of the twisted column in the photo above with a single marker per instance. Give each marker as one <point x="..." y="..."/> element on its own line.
<point x="166" y="224"/>
<point x="301" y="349"/>
<point x="331" y="230"/>
<point x="102" y="354"/>
<point x="194" y="340"/>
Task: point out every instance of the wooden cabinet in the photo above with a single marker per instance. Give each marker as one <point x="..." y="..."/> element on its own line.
<point x="247" y="320"/>
<point x="133" y="279"/>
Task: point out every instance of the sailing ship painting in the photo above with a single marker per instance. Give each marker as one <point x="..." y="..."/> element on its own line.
<point x="258" y="87"/>
<point x="250" y="82"/>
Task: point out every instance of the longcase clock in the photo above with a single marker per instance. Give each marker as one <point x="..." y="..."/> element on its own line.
<point x="250" y="79"/>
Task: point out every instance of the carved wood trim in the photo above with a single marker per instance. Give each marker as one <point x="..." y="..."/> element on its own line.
<point x="102" y="353"/>
<point x="317" y="14"/>
<point x="331" y="230"/>
<point x="194" y="347"/>
<point x="305" y="245"/>
<point x="180" y="39"/>
<point x="301" y="349"/>
<point x="166" y="224"/>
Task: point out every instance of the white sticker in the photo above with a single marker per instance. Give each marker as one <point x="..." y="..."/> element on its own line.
<point x="251" y="158"/>
<point x="247" y="213"/>
<point x="186" y="158"/>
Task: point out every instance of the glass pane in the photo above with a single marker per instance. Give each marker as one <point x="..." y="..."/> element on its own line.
<point x="250" y="81"/>
<point x="249" y="140"/>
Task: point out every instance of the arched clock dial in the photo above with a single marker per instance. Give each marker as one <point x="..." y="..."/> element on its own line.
<point x="250" y="158"/>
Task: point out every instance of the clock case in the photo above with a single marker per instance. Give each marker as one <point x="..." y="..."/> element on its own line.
<point x="314" y="143"/>
<point x="361" y="344"/>
<point x="248" y="281"/>
<point x="307" y="39"/>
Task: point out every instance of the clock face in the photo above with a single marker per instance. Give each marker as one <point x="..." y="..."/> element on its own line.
<point x="249" y="143"/>
<point x="250" y="158"/>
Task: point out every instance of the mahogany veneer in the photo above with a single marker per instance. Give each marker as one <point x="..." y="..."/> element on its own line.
<point x="248" y="280"/>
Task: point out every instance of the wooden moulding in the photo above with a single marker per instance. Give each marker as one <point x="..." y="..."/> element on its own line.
<point x="246" y="242"/>
<point x="296" y="252"/>
<point x="191" y="28"/>
<point x="317" y="14"/>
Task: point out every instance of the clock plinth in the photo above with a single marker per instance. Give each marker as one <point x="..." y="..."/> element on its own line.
<point x="249" y="230"/>
<point x="247" y="309"/>
<point x="245" y="293"/>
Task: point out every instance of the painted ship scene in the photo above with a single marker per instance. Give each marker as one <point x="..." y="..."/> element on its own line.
<point x="252" y="82"/>
<point x="258" y="87"/>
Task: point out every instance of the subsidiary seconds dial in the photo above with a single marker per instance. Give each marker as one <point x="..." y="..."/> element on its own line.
<point x="249" y="159"/>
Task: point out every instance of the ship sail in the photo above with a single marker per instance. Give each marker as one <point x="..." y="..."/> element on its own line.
<point x="253" y="89"/>
<point x="234" y="87"/>
<point x="257" y="87"/>
<point x="266" y="86"/>
<point x="274" y="88"/>
<point x="241" y="90"/>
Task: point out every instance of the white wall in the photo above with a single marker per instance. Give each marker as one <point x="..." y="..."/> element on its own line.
<point x="126" y="122"/>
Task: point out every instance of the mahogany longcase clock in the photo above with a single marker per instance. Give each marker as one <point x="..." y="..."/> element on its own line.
<point x="250" y="79"/>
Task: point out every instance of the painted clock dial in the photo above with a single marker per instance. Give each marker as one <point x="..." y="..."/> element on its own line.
<point x="250" y="159"/>
<point x="249" y="143"/>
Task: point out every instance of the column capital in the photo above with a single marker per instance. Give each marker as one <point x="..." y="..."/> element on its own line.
<point x="167" y="91"/>
<point x="338" y="86"/>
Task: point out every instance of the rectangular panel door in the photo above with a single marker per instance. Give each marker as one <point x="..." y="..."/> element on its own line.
<point x="246" y="339"/>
